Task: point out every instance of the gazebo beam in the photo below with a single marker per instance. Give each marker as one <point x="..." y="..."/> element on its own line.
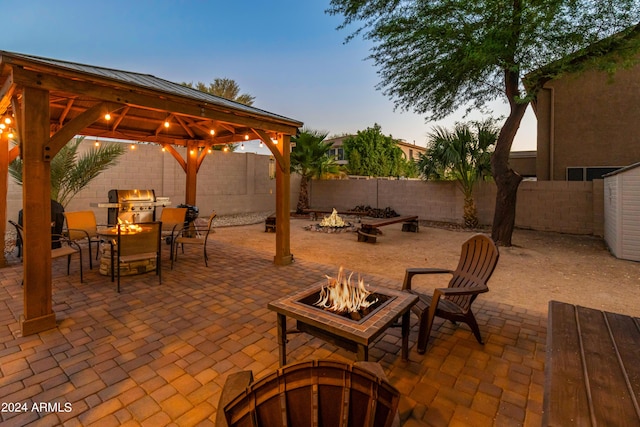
<point x="146" y="100"/>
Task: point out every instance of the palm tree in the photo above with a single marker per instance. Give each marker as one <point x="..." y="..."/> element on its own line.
<point x="70" y="173"/>
<point x="309" y="158"/>
<point x="463" y="155"/>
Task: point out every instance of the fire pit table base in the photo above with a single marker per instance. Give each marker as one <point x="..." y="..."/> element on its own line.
<point x="354" y="336"/>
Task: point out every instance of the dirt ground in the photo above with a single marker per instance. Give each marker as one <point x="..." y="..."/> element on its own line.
<point x="540" y="267"/>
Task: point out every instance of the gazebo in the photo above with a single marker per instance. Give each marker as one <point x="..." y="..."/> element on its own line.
<point x="45" y="102"/>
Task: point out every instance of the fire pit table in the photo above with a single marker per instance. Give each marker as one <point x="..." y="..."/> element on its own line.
<point x="341" y="330"/>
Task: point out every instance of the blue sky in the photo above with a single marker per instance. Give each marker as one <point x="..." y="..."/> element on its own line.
<point x="286" y="53"/>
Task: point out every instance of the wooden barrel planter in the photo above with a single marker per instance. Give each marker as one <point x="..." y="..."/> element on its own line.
<point x="316" y="393"/>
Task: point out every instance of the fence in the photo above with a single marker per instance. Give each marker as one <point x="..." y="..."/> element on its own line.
<point x="228" y="182"/>
<point x="240" y="183"/>
<point x="566" y="207"/>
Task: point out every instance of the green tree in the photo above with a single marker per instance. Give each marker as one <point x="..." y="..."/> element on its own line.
<point x="371" y="153"/>
<point x="435" y="57"/>
<point x="463" y="155"/>
<point x="71" y="172"/>
<point x="227" y="89"/>
<point x="310" y="159"/>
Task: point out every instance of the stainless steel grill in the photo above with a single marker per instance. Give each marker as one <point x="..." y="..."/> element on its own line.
<point x="133" y="205"/>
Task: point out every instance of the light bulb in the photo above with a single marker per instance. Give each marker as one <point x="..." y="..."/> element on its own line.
<point x="246" y="137"/>
<point x="166" y="124"/>
<point x="242" y="146"/>
<point x="7" y="120"/>
<point x="133" y="146"/>
<point x="212" y="132"/>
<point x="107" y="116"/>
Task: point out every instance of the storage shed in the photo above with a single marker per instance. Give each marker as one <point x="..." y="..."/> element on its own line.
<point x="622" y="212"/>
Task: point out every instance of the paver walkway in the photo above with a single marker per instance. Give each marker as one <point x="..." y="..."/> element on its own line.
<point x="159" y="355"/>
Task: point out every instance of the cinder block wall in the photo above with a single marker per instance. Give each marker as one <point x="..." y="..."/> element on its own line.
<point x="227" y="182"/>
<point x="565" y="207"/>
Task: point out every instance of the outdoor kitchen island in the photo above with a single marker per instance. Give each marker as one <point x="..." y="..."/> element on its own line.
<point x="350" y="334"/>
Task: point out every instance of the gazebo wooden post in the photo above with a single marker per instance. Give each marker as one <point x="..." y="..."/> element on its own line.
<point x="192" y="173"/>
<point x="4" y="188"/>
<point x="36" y="194"/>
<point x="283" y="178"/>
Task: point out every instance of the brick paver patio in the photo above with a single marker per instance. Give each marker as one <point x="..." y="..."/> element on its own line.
<point x="159" y="355"/>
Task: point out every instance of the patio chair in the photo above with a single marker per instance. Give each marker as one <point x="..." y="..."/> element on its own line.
<point x="201" y="235"/>
<point x="82" y="225"/>
<point x="67" y="247"/>
<point x="137" y="246"/>
<point x="172" y="220"/>
<point x="313" y="393"/>
<point x="478" y="259"/>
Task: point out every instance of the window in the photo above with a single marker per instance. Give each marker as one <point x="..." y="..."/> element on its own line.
<point x="589" y="173"/>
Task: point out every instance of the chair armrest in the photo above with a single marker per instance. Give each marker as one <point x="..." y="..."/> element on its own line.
<point x="410" y="272"/>
<point x="235" y="384"/>
<point x="478" y="289"/>
<point x="61" y="238"/>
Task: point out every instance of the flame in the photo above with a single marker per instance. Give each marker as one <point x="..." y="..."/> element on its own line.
<point x="129" y="227"/>
<point x="341" y="295"/>
<point x="332" y="220"/>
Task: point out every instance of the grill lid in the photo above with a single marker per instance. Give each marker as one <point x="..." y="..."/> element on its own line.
<point x="123" y="196"/>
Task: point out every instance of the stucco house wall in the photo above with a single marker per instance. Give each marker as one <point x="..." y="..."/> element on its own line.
<point x="588" y="119"/>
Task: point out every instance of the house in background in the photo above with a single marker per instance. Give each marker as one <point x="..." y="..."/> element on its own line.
<point x="588" y="125"/>
<point x="410" y="151"/>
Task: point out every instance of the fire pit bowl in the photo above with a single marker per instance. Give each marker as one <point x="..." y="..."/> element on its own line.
<point x="377" y="300"/>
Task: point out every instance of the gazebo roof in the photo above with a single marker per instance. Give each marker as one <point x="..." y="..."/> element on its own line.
<point x="140" y="104"/>
<point x="50" y="101"/>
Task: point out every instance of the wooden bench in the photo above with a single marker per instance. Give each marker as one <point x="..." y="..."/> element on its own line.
<point x="368" y="231"/>
<point x="592" y="368"/>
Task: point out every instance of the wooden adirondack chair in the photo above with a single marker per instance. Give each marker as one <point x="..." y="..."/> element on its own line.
<point x="478" y="259"/>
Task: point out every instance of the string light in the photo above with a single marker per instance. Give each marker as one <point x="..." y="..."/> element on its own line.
<point x="209" y="151"/>
<point x="97" y="143"/>
<point x="260" y="143"/>
<point x="225" y="149"/>
<point x="7" y="120"/>
<point x="132" y="146"/>
<point x="242" y="146"/>
<point x="246" y="137"/>
<point x="166" y="124"/>
<point x="107" y="117"/>
<point x="212" y="132"/>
